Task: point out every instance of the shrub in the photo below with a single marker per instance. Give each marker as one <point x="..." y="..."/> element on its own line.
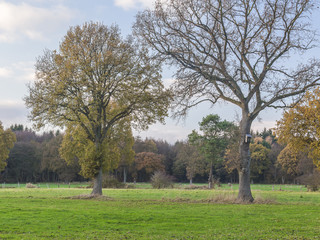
<point x="216" y="182"/>
<point x="161" y="180"/>
<point x="109" y="181"/>
<point x="30" y="185"/>
<point x="312" y="181"/>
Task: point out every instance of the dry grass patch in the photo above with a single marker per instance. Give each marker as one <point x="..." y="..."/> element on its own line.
<point x="223" y="198"/>
<point x="30" y="185"/>
<point x="91" y="197"/>
<point x="264" y="200"/>
<point x="232" y="199"/>
<point x="192" y="187"/>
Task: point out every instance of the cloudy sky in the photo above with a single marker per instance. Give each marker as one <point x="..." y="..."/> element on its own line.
<point x="27" y="27"/>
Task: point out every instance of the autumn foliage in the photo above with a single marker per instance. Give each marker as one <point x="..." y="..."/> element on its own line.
<point x="300" y="127"/>
<point x="91" y="83"/>
<point x="149" y="161"/>
<point x="7" y="140"/>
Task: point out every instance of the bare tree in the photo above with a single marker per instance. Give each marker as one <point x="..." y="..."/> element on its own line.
<point x="236" y="51"/>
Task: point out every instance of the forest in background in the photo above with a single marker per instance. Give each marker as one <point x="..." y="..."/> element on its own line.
<point x="35" y="158"/>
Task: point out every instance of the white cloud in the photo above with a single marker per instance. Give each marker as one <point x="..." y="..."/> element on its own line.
<point x="260" y="125"/>
<point x="26" y="21"/>
<point x="133" y="4"/>
<point x="18" y="72"/>
<point x="171" y="132"/>
<point x="10" y="103"/>
<point x="5" y="72"/>
<point x="12" y="112"/>
<point x="25" y="71"/>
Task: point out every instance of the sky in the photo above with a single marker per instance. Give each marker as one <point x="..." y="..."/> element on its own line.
<point x="28" y="27"/>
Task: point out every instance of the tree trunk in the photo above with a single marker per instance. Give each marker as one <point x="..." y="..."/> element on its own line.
<point x="97" y="184"/>
<point x="244" y="194"/>
<point x="124" y="175"/>
<point x="190" y="181"/>
<point x="210" y="180"/>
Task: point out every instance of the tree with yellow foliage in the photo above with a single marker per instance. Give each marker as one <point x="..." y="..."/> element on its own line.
<point x="299" y="127"/>
<point x="116" y="146"/>
<point x="94" y="81"/>
<point x="7" y="140"/>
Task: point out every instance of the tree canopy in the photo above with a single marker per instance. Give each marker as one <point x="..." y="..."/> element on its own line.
<point x="92" y="82"/>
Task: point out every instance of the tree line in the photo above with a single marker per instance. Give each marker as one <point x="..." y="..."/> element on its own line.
<point x="207" y="156"/>
<point x="35" y="158"/>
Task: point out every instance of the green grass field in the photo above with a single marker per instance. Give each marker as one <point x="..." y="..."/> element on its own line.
<point x="44" y="213"/>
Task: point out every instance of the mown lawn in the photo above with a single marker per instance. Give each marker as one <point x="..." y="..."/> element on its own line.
<point x="156" y="214"/>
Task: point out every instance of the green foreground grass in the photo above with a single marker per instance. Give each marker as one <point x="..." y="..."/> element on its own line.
<point x="157" y="214"/>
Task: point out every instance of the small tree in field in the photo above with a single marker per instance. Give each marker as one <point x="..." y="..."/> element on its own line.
<point x="260" y="161"/>
<point x="235" y="51"/>
<point x="213" y="141"/>
<point x="94" y="81"/>
<point x="190" y="157"/>
<point x="127" y="153"/>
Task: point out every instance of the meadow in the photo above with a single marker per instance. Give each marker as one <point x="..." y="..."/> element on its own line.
<point x="52" y="212"/>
